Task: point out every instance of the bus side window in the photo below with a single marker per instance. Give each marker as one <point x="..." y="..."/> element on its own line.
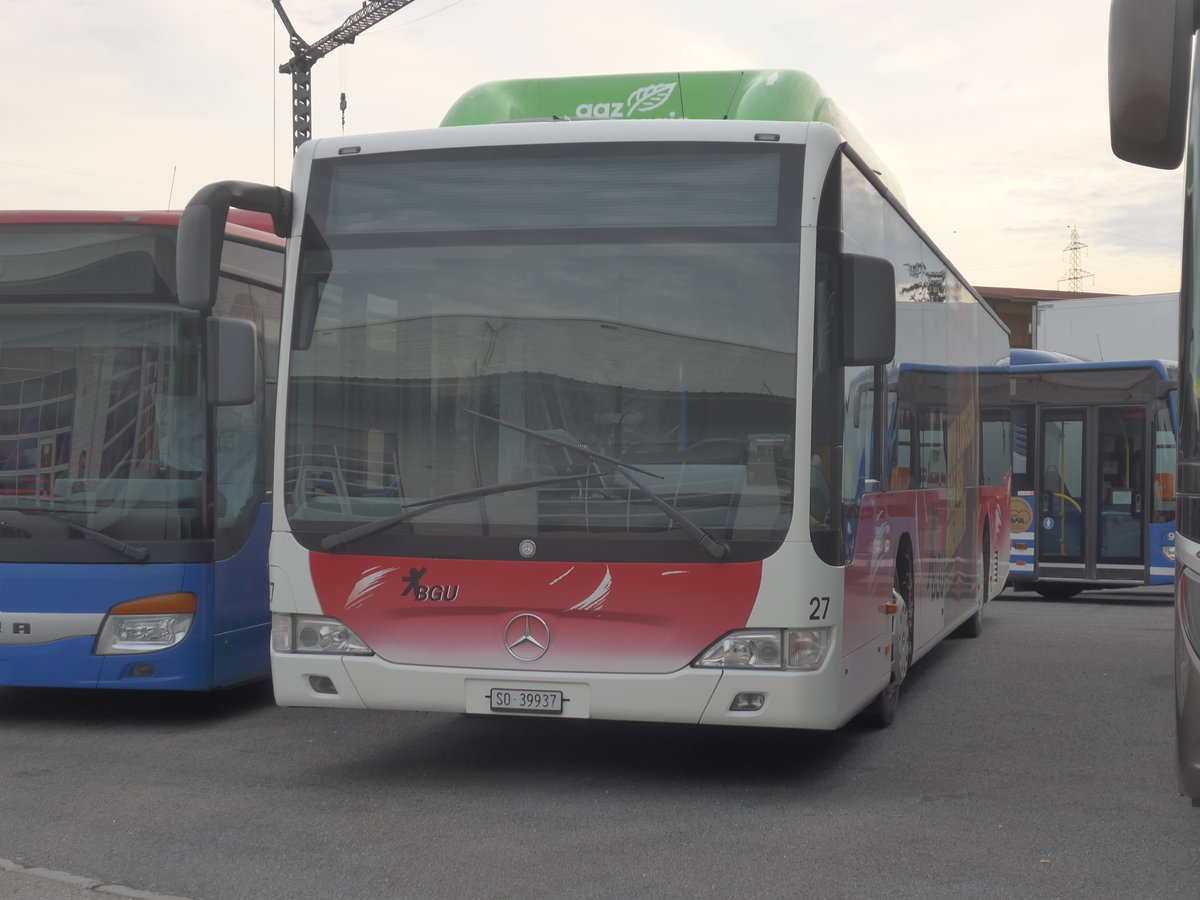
<point x="932" y="443"/>
<point x="1163" y="487"/>
<point x="900" y="446"/>
<point x="818" y="492"/>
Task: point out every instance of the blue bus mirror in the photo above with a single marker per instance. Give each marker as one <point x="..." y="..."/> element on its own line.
<point x="202" y="234"/>
<point x="232" y="361"/>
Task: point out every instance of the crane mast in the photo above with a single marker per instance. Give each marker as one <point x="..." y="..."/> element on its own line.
<point x="305" y="56"/>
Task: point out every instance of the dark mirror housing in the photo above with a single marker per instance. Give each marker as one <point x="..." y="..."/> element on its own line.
<point x="232" y="361"/>
<point x="1149" y="63"/>
<point x="202" y="232"/>
<point x="869" y="310"/>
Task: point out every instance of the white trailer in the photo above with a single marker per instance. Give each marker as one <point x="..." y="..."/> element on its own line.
<point x="1142" y="326"/>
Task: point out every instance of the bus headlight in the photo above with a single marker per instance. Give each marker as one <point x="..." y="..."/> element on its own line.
<point x="147" y="624"/>
<point x="315" y="634"/>
<point x="806" y="649"/>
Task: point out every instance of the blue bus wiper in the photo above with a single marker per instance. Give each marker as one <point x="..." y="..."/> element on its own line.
<point x="420" y="507"/>
<point x="716" y="549"/>
<point x="134" y="552"/>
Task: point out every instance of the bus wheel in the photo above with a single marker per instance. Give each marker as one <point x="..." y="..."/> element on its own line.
<point x="1062" y="591"/>
<point x="882" y="710"/>
<point x="973" y="627"/>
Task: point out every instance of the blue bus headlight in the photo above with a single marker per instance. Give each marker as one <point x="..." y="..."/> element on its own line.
<point x="315" y="634"/>
<point x="797" y="649"/>
<point x="147" y="624"/>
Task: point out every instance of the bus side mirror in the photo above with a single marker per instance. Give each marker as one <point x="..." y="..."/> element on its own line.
<point x="1149" y="58"/>
<point x="232" y="361"/>
<point x="869" y="310"/>
<point x="202" y="234"/>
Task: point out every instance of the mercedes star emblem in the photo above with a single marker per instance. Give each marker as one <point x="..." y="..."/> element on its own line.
<point x="527" y="637"/>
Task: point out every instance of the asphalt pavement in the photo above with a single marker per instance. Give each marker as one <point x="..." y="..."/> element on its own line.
<point x="1033" y="762"/>
<point x="19" y="882"/>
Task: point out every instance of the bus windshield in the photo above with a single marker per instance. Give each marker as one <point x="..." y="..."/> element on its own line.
<point x="101" y="422"/>
<point x="102" y="425"/>
<point x="656" y="328"/>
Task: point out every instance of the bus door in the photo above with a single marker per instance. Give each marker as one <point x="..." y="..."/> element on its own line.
<point x="1092" y="493"/>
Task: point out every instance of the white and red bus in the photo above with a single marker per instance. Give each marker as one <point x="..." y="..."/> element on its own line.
<point x="671" y="415"/>
<point x="1152" y="84"/>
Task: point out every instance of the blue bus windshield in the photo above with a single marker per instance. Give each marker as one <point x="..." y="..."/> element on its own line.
<point x="102" y="422"/>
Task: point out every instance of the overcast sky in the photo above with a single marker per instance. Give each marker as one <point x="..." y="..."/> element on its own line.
<point x="992" y="116"/>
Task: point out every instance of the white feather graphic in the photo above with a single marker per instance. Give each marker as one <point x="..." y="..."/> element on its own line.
<point x="595" y="600"/>
<point x="366" y="585"/>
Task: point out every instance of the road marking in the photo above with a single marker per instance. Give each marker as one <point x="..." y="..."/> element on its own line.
<point x="81" y="881"/>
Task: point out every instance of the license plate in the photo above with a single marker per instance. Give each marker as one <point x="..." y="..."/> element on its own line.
<point x="524" y="700"/>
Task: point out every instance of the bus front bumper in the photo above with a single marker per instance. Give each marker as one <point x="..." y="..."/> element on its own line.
<point x="688" y="696"/>
<point x="1187" y="714"/>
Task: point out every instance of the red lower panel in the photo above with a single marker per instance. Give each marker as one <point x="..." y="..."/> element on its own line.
<point x="594" y="617"/>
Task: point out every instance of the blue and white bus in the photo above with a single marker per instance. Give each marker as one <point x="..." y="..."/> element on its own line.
<point x="134" y="457"/>
<point x="1093" y="472"/>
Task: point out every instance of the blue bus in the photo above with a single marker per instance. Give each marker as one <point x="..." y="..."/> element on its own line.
<point x="1094" y="446"/>
<point x="134" y="454"/>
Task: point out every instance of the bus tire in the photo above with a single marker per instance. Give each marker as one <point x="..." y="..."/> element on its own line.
<point x="973" y="627"/>
<point x="1050" y="590"/>
<point x="881" y="711"/>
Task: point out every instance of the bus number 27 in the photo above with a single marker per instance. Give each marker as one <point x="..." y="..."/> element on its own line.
<point x="819" y="608"/>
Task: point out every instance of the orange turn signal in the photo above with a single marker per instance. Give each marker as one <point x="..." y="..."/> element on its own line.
<point x="156" y="604"/>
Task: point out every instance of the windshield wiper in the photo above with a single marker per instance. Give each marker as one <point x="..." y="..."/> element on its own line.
<point x="134" y="552"/>
<point x="717" y="549"/>
<point x="420" y="507"/>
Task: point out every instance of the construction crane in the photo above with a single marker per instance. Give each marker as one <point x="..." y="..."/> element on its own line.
<point x="305" y="55"/>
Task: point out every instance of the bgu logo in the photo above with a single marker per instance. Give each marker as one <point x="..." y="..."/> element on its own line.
<point x="643" y="100"/>
<point x="447" y="593"/>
